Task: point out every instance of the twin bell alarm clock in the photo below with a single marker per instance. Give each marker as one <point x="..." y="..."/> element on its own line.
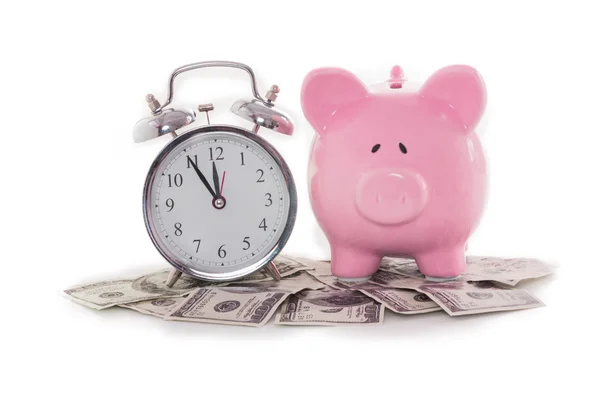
<point x="219" y="201"/>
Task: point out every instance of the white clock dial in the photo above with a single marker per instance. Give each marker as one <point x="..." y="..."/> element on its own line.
<point x="217" y="203"/>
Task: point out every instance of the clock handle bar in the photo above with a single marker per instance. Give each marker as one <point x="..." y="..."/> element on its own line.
<point x="209" y="64"/>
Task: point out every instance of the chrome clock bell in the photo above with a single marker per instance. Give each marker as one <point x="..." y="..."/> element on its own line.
<point x="219" y="201"/>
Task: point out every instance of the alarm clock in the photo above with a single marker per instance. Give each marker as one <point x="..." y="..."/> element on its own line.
<point x="219" y="201"/>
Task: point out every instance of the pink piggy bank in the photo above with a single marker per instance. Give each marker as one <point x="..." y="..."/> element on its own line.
<point x="396" y="173"/>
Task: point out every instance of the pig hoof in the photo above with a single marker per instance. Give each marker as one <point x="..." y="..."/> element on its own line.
<point x="355" y="280"/>
<point x="441" y="278"/>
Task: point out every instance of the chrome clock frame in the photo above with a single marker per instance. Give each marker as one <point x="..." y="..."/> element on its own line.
<point x="278" y="245"/>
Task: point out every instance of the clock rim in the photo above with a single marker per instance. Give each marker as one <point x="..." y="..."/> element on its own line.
<point x="289" y="183"/>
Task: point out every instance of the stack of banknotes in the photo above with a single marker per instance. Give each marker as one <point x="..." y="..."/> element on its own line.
<point x="308" y="294"/>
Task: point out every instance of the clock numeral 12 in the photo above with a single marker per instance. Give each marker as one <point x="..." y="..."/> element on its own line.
<point x="218" y="150"/>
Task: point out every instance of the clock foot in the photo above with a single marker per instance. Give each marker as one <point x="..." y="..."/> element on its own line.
<point x="273" y="271"/>
<point x="173" y="277"/>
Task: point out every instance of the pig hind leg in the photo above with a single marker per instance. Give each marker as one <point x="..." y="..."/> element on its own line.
<point x="442" y="263"/>
<point x="352" y="264"/>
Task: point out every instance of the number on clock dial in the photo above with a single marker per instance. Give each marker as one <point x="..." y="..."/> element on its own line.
<point x="218" y="151"/>
<point x="254" y="210"/>
<point x="177" y="180"/>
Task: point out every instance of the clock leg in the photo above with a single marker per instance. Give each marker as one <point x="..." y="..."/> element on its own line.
<point x="174" y="275"/>
<point x="273" y="271"/>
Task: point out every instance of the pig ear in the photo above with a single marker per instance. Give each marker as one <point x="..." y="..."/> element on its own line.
<point x="460" y="87"/>
<point x="326" y="90"/>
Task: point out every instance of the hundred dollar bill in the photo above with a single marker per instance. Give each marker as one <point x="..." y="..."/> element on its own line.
<point x="106" y="294"/>
<point x="322" y="271"/>
<point x="463" y="298"/>
<point x="383" y="288"/>
<point x="157" y="307"/>
<point x="229" y="305"/>
<point x="505" y="270"/>
<point x="252" y="304"/>
<point x="285" y="265"/>
<point x="471" y="297"/>
<point x="331" y="281"/>
<point x="508" y="271"/>
<point x="402" y="301"/>
<point x="330" y="307"/>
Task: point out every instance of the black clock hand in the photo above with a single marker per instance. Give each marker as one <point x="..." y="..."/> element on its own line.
<point x="216" y="179"/>
<point x="203" y="178"/>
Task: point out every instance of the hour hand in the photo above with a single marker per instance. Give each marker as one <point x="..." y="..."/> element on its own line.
<point x="202" y="178"/>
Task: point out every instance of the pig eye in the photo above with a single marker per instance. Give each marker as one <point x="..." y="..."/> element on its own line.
<point x="375" y="148"/>
<point x="402" y="148"/>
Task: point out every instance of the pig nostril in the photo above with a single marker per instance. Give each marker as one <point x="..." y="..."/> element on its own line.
<point x="375" y="148"/>
<point x="402" y="148"/>
<point x="377" y="199"/>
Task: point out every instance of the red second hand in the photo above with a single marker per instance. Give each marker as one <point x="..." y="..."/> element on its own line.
<point x="222" y="182"/>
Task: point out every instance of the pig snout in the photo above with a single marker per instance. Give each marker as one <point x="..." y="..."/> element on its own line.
<point x="391" y="196"/>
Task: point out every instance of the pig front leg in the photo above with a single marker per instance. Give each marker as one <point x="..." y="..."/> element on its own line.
<point x="442" y="263"/>
<point x="353" y="265"/>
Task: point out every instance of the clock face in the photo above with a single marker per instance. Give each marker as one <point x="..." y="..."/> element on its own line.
<point x="217" y="204"/>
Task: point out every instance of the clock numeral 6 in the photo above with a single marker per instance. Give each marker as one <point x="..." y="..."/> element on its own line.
<point x="247" y="243"/>
<point x="170" y="204"/>
<point x="178" y="230"/>
<point x="261" y="173"/>
<point x="222" y="253"/>
<point x="269" y="200"/>
<point x="263" y="224"/>
<point x="177" y="180"/>
<point x="197" y="241"/>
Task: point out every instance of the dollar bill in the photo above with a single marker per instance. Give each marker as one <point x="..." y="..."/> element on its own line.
<point x="508" y="271"/>
<point x="157" y="307"/>
<point x="505" y="270"/>
<point x="456" y="297"/>
<point x="285" y="265"/>
<point x="311" y="295"/>
<point x="105" y="294"/>
<point x="331" y="281"/>
<point x="110" y="293"/>
<point x="229" y="305"/>
<point x="321" y="270"/>
<point x="464" y="298"/>
<point x="402" y="301"/>
<point x="251" y="305"/>
<point x="330" y="307"/>
<point x="390" y="289"/>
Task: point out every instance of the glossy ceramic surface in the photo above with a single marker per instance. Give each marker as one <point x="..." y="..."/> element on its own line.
<point x="396" y="172"/>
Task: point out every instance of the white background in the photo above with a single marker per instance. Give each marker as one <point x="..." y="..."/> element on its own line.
<point x="73" y="79"/>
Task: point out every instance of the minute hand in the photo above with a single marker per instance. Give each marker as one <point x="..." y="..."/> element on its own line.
<point x="203" y="178"/>
<point x="216" y="179"/>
